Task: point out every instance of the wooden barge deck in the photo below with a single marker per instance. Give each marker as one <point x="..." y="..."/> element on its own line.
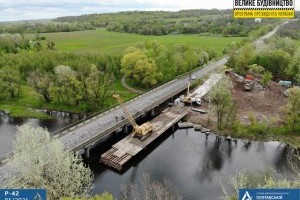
<point x="124" y="150"/>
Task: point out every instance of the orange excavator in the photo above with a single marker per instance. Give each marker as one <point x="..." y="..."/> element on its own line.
<point x="140" y="131"/>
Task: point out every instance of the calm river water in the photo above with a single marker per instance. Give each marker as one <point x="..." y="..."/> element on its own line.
<point x="196" y="165"/>
<point x="8" y="127"/>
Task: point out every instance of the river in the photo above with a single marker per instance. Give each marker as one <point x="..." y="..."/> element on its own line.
<point x="195" y="164"/>
<point x="8" y="127"/>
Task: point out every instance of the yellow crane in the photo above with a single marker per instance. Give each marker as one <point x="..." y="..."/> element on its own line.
<point x="142" y="131"/>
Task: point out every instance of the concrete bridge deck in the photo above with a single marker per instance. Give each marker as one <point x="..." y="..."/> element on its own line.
<point x="90" y="131"/>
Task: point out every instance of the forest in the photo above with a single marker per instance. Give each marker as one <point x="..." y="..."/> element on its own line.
<point x="219" y="22"/>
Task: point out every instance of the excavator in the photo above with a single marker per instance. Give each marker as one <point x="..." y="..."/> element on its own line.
<point x="140" y="131"/>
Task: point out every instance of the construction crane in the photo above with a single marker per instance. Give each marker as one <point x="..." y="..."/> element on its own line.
<point x="143" y="131"/>
<point x="188" y="99"/>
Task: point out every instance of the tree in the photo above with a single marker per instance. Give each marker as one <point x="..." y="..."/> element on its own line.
<point x="9" y="83"/>
<point x="266" y="78"/>
<point x="98" y="84"/>
<point x="275" y="61"/>
<point x="256" y="70"/>
<point x="240" y="61"/>
<point x="286" y="44"/>
<point x="41" y="82"/>
<point x="223" y="103"/>
<point x="293" y="108"/>
<point x="40" y="161"/>
<point x="38" y="46"/>
<point x="204" y="58"/>
<point x="267" y="179"/>
<point x="51" y="45"/>
<point x="104" y="196"/>
<point x="179" y="63"/>
<point x="140" y="68"/>
<point x="151" y="190"/>
<point x="66" y="86"/>
<point x="293" y="70"/>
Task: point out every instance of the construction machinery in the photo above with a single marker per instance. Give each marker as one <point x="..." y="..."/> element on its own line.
<point x="140" y="131"/>
<point x="188" y="99"/>
<point x="249" y="82"/>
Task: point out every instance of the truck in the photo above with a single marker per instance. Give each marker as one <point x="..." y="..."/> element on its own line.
<point x="249" y="82"/>
<point x="285" y="83"/>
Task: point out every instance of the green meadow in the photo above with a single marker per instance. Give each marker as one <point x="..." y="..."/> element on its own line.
<point x="102" y="41"/>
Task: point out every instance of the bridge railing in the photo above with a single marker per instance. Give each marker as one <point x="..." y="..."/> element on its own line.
<point x="125" y="121"/>
<point x="4" y="158"/>
<point x="65" y="129"/>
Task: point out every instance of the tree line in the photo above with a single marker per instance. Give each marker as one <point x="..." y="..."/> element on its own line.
<point x="63" y="78"/>
<point x="219" y="25"/>
<point x="195" y="21"/>
<point x="15" y="43"/>
<point x="85" y="80"/>
<point x="43" y="27"/>
<point x="280" y="57"/>
<point x="150" y="63"/>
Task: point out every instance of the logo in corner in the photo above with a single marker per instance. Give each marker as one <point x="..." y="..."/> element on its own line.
<point x="247" y="196"/>
<point x="37" y="197"/>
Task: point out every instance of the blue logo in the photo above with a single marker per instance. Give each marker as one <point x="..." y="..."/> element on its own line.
<point x="269" y="194"/>
<point x="24" y="194"/>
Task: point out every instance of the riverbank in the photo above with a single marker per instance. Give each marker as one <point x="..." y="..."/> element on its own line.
<point x="23" y="112"/>
<point x="257" y="132"/>
<point x="29" y="103"/>
<point x="193" y="162"/>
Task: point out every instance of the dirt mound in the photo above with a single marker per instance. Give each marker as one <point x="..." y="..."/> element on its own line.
<point x="263" y="104"/>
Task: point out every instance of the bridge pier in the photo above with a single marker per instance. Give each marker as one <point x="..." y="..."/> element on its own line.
<point x="87" y="152"/>
<point x="125" y="128"/>
<point x="80" y="153"/>
<point x="144" y="114"/>
<point x="152" y="112"/>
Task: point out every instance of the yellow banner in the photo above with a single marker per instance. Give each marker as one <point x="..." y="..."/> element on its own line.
<point x="264" y="13"/>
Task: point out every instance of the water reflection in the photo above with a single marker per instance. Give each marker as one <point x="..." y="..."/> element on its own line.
<point x="193" y="163"/>
<point x="247" y="145"/>
<point x="8" y="127"/>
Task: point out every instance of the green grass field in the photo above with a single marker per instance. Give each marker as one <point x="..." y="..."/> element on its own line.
<point x="102" y="41"/>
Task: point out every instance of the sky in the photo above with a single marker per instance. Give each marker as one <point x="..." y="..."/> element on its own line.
<point x="13" y="10"/>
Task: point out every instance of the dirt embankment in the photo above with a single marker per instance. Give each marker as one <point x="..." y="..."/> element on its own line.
<point x="264" y="104"/>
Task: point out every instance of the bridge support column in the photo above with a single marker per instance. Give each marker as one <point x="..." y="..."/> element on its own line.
<point x="125" y="128"/>
<point x="152" y="112"/>
<point x="87" y="152"/>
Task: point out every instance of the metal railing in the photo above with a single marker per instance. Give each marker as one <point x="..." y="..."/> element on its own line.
<point x="62" y="131"/>
<point x="125" y="121"/>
